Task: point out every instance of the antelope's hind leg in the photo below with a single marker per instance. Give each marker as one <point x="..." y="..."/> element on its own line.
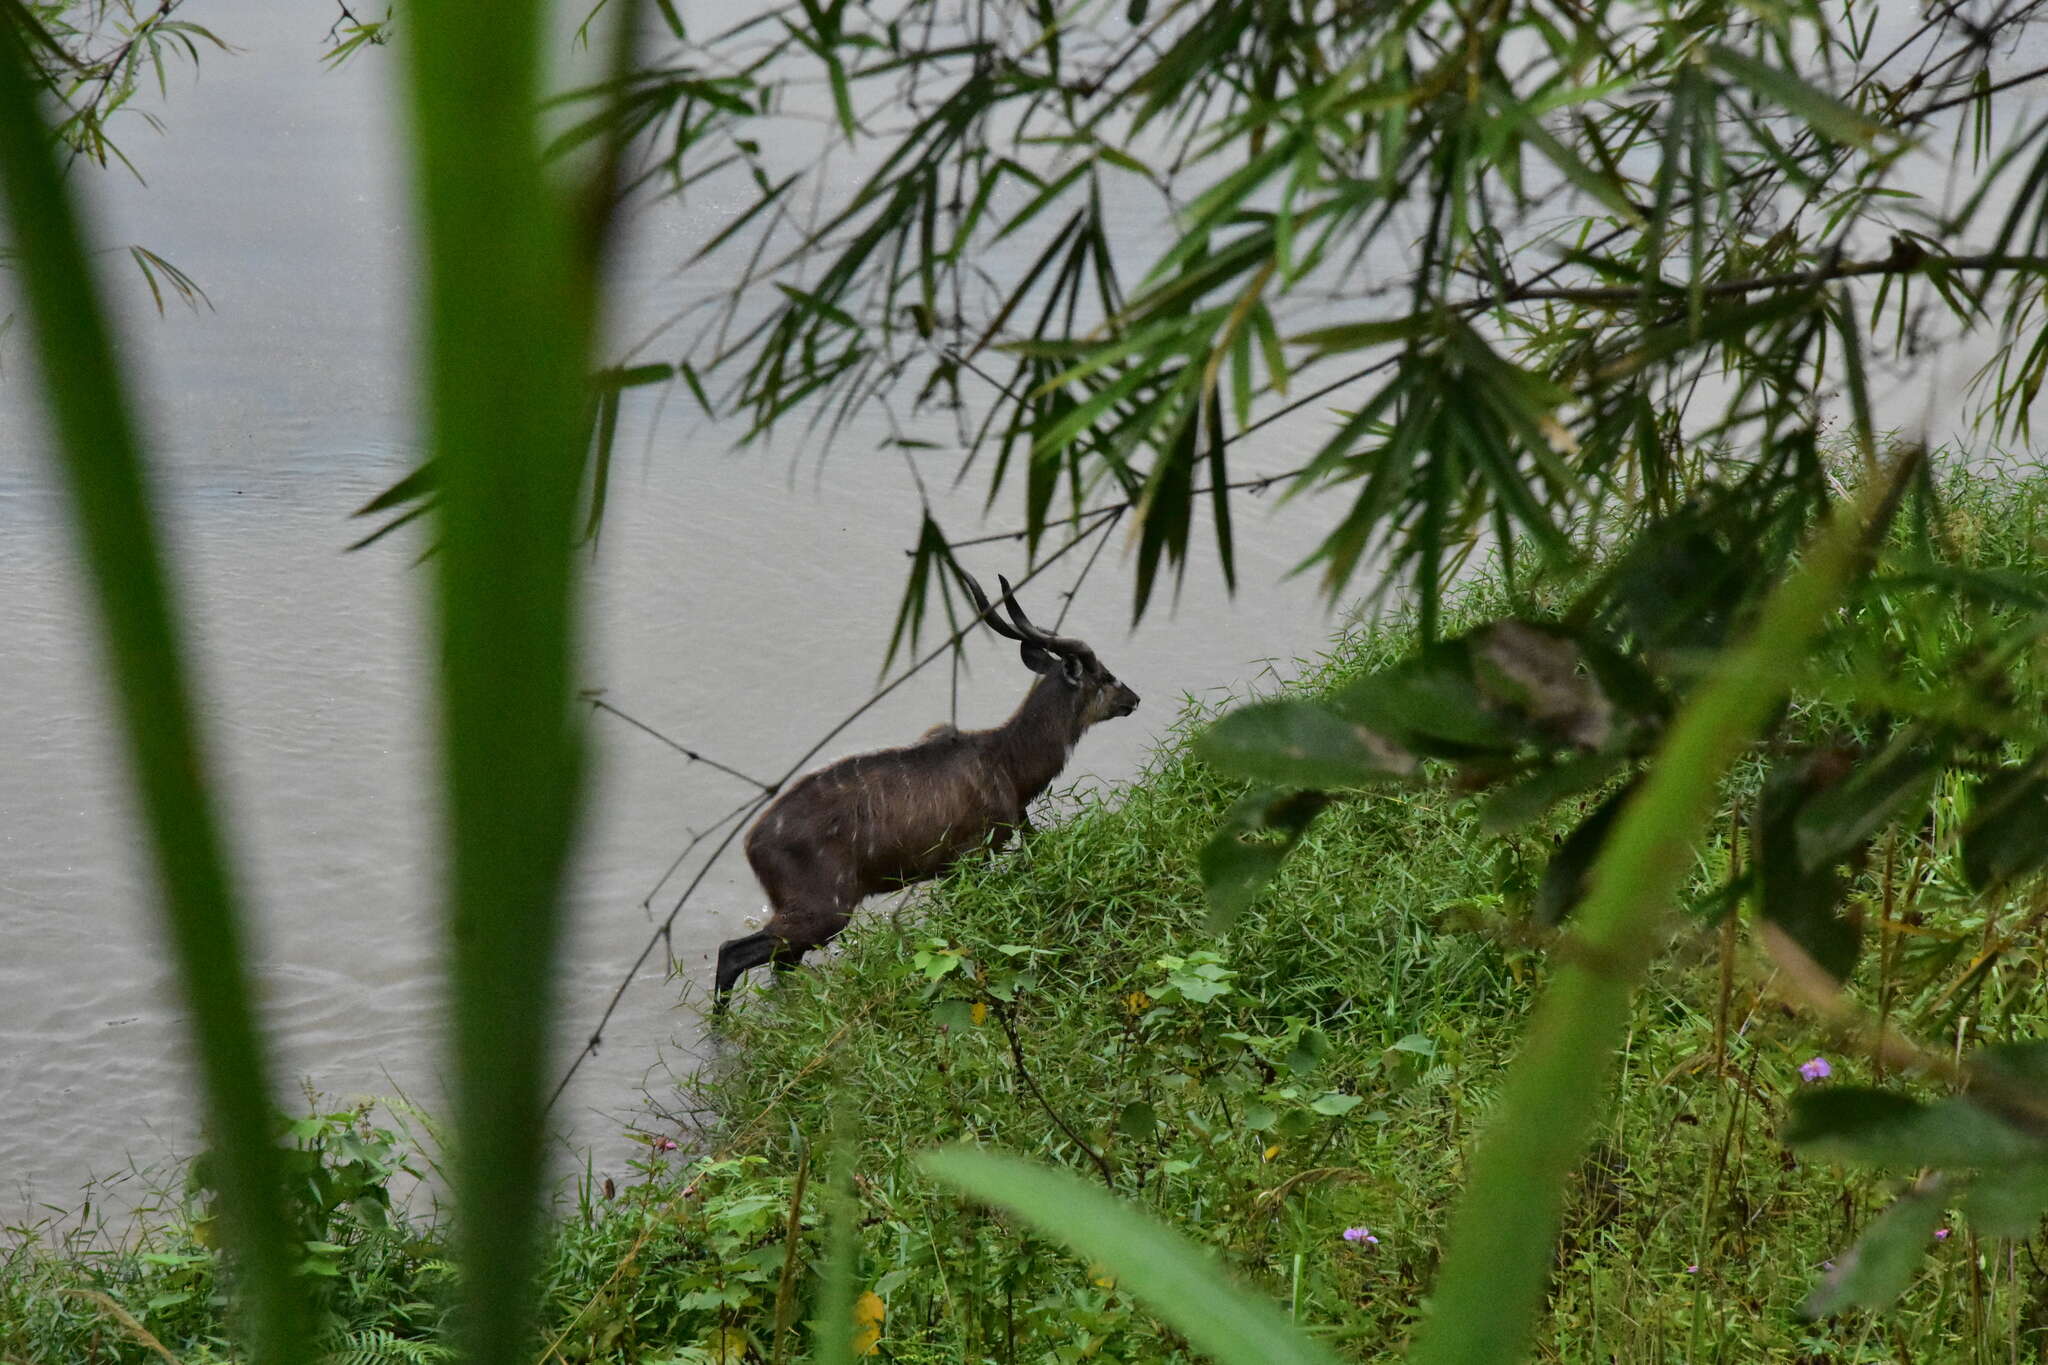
<point x="811" y="904"/>
<point x="782" y="944"/>
<point x="735" y="957"/>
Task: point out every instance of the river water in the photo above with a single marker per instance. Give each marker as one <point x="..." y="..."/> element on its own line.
<point x="738" y="602"/>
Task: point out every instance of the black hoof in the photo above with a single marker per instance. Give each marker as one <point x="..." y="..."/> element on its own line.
<point x="735" y="958"/>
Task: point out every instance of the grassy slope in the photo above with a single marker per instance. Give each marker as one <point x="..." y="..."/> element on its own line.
<point x="1390" y="965"/>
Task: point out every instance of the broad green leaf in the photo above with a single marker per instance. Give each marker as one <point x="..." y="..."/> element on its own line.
<point x="1301" y="744"/>
<point x="1431" y="703"/>
<point x="1247" y="850"/>
<point x="1198" y="989"/>
<point x="1803" y="901"/>
<point x="1883" y="1128"/>
<point x="2008" y="1201"/>
<point x="1885" y="1258"/>
<point x="1564" y="879"/>
<point x="957" y="1015"/>
<point x="1308" y="1052"/>
<point x="1844" y="818"/>
<point x="1138" y="1121"/>
<point x="1529" y="798"/>
<point x="2007" y="836"/>
<point x="1180" y="1283"/>
<point x="2016" y="1068"/>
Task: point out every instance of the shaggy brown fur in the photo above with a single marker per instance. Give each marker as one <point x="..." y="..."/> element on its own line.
<point x="879" y="821"/>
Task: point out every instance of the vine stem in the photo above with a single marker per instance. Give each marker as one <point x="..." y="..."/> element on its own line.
<point x="1499" y="1249"/>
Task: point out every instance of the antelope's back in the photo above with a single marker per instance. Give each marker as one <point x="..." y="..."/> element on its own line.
<point x="894" y="816"/>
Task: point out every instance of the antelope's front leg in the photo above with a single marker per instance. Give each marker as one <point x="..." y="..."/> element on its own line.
<point x="1020" y="828"/>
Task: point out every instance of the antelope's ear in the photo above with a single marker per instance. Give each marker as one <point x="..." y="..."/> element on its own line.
<point x="1037" y="657"/>
<point x="1073" y="670"/>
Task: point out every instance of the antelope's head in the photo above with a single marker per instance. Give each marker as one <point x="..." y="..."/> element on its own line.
<point x="1097" y="695"/>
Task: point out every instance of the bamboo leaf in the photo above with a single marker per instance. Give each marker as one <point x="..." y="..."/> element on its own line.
<point x="1827" y="115"/>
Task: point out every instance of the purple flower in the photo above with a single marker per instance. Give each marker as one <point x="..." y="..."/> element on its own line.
<point x="1815" y="1070"/>
<point x="1693" y="1269"/>
<point x="664" y="1144"/>
<point x="1361" y="1235"/>
<point x="1941" y="1234"/>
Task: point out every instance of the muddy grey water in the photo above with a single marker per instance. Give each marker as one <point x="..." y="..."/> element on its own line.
<point x="738" y="602"/>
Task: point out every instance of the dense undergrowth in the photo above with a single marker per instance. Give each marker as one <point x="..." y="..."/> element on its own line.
<point x="1299" y="1093"/>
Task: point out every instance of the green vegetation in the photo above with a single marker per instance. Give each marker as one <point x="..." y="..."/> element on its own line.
<point x="1322" y="1067"/>
<point x="1643" y="254"/>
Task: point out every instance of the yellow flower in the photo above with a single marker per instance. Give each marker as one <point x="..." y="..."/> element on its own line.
<point x="1137" y="1002"/>
<point x="979" y="1012"/>
<point x="1271" y="1152"/>
<point x="868" y="1312"/>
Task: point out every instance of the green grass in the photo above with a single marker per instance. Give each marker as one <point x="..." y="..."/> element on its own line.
<point x="1323" y="1066"/>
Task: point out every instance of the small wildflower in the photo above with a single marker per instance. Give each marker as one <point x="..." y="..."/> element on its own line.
<point x="664" y="1144"/>
<point x="1693" y="1269"/>
<point x="1361" y="1235"/>
<point x="1815" y="1070"/>
<point x="1941" y="1234"/>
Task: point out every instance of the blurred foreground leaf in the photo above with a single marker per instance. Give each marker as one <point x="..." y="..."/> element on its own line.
<point x="104" y="469"/>
<point x="1175" y="1279"/>
<point x="1876" y="1270"/>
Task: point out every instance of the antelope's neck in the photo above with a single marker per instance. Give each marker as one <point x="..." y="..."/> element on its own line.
<point x="1037" y="739"/>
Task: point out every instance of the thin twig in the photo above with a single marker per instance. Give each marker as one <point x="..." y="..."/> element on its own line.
<point x="1899" y="263"/>
<point x="600" y="704"/>
<point x="1002" y="1013"/>
<point x="1108" y="525"/>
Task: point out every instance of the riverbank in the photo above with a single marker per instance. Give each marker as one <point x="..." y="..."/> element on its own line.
<point x="1299" y="1093"/>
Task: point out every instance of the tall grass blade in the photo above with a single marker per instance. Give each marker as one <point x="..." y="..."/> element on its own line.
<point x="1178" y="1282"/>
<point x="832" y="1326"/>
<point x="102" y="462"/>
<point x="509" y="300"/>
